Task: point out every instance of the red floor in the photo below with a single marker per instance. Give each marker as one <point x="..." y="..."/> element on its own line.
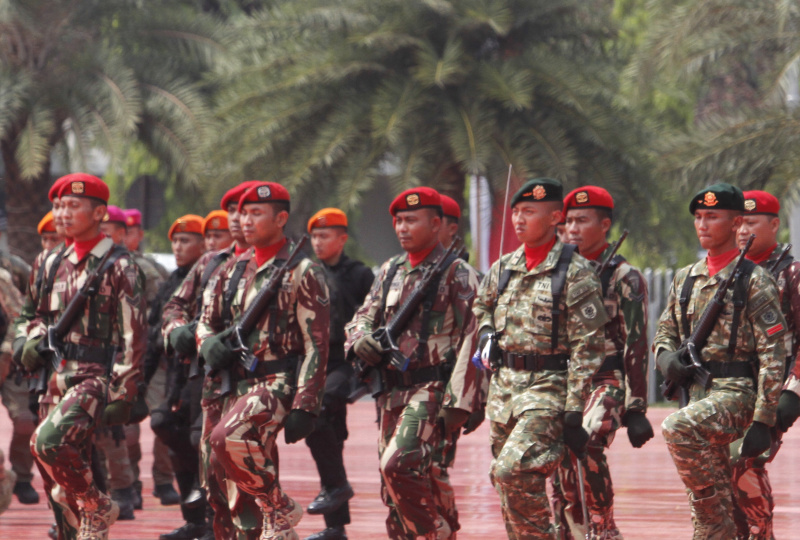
<point x="650" y="501"/>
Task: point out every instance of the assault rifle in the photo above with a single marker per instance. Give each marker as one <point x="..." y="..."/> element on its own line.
<point x="607" y="261"/>
<point x="254" y="313"/>
<point x="779" y="260"/>
<point x="697" y="340"/>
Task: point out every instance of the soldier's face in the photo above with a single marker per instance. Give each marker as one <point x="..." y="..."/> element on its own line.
<point x="57" y="216"/>
<point x="764" y="227"/>
<point x="586" y="229"/>
<point x="187" y="248"/>
<point x="535" y="223"/>
<point x="716" y="229"/>
<point x="328" y="243"/>
<point x="234" y="222"/>
<point x="261" y="225"/>
<point x="50" y="240"/>
<point x="81" y="219"/>
<point x="417" y="230"/>
<point x="133" y="238"/>
<point x="217" y="240"/>
<point x="448" y="231"/>
<point x="114" y="231"/>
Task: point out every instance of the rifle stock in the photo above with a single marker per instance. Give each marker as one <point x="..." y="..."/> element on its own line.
<point x="607" y="261"/>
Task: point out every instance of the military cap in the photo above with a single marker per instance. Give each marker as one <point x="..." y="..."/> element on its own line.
<point x="190" y="223"/>
<point x="133" y="218"/>
<point x="539" y="190"/>
<point x="718" y="197"/>
<point x="450" y="207"/>
<point x="83" y="185"/>
<point x="588" y="197"/>
<point x="235" y="193"/>
<point x="327" y="217"/>
<point x="47" y="223"/>
<point x="114" y="214"/>
<point x="761" y="202"/>
<point x="56" y="187"/>
<point x="216" y="220"/>
<point x="264" y="192"/>
<point x="416" y="198"/>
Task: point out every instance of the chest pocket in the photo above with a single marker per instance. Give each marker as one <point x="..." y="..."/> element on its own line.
<point x="101" y="314"/>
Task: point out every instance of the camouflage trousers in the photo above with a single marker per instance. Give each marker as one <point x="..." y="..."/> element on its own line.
<point x="753" y="503"/>
<point x="698" y="437"/>
<point x="408" y="436"/>
<point x="7" y="480"/>
<point x="526" y="450"/>
<point x="16" y="399"/>
<point x="601" y="420"/>
<point x="443" y="495"/>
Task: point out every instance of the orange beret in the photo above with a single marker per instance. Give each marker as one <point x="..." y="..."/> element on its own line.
<point x="588" y="197"/>
<point x="83" y="185"/>
<point x="761" y="202"/>
<point x="216" y="220"/>
<point x="416" y="198"/>
<point x="235" y="193"/>
<point x="327" y="217"/>
<point x="450" y="207"/>
<point x="190" y="223"/>
<point x="264" y="192"/>
<point x="47" y="224"/>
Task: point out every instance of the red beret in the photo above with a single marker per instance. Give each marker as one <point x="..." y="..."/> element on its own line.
<point x="327" y="217"/>
<point x="47" y="224"/>
<point x="416" y="198"/>
<point x="761" y="202"/>
<point x="450" y="207"/>
<point x="588" y="197"/>
<point x="264" y="192"/>
<point x="235" y="193"/>
<point x="216" y="220"/>
<point x="114" y="214"/>
<point x="190" y="223"/>
<point x="56" y="187"/>
<point x="83" y="185"/>
<point x="133" y="217"/>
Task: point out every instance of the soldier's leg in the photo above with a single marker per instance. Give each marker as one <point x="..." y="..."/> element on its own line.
<point x="7" y="481"/>
<point x="563" y="482"/>
<point x="16" y="398"/>
<point x="525" y="453"/>
<point x="388" y="419"/>
<point x="443" y="493"/>
<point x="155" y="396"/>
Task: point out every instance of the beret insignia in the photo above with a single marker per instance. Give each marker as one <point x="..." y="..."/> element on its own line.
<point x="539" y="193"/>
<point x="78" y="187"/>
<point x="582" y="197"/>
<point x="321" y="221"/>
<point x="710" y="199"/>
<point x="181" y="225"/>
<point x="750" y="205"/>
<point x="263" y="192"/>
<point x="412" y="199"/>
<point x="106" y="217"/>
<point x="215" y="222"/>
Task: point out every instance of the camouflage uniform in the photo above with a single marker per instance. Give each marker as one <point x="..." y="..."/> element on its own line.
<point x="698" y="435"/>
<point x="243" y="441"/>
<point x="112" y="323"/>
<point x="752" y="493"/>
<point x="620" y="385"/>
<point x="527" y="407"/>
<point x="20" y="270"/>
<point x="7" y="481"/>
<point x="409" y="430"/>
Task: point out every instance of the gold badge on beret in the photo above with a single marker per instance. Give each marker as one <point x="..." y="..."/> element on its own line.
<point x="215" y="223"/>
<point x="182" y="226"/>
<point x="750" y="205"/>
<point x="582" y="197"/>
<point x="78" y="187"/>
<point x="412" y="200"/>
<point x="710" y="199"/>
<point x="106" y="217"/>
<point x="129" y="220"/>
<point x="263" y="192"/>
<point x="539" y="193"/>
<point x="321" y="221"/>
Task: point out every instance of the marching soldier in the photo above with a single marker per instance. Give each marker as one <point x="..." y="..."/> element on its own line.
<point x="348" y="282"/>
<point x="541" y="317"/>
<point x="114" y="225"/>
<point x="744" y="354"/>
<point x="619" y="388"/>
<point x="215" y="230"/>
<point x="133" y="241"/>
<point x="96" y="383"/>
<point x="411" y="402"/>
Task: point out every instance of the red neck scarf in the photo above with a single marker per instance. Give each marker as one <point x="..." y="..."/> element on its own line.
<point x="68" y="241"/>
<point x="419" y="256"/>
<point x="593" y="256"/>
<point x="718" y="262"/>
<point x="763" y="256"/>
<point x="82" y="248"/>
<point x="535" y="255"/>
<point x="266" y="253"/>
<point x="239" y="250"/>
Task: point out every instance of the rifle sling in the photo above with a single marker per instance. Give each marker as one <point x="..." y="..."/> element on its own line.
<point x="272" y="309"/>
<point x="557" y="281"/>
<point x="208" y="271"/>
<point x="94" y="324"/>
<point x="427" y="308"/>
<point x="230" y="292"/>
<point x="51" y="276"/>
<point x="605" y="276"/>
<point x="783" y="265"/>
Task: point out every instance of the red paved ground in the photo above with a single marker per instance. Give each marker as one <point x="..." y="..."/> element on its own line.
<point x="650" y="502"/>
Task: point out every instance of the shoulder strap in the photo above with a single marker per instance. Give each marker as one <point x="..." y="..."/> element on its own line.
<point x="230" y="292"/>
<point x="272" y="310"/>
<point x="94" y="322"/>
<point x="605" y="277"/>
<point x="683" y="301"/>
<point x="783" y="265"/>
<point x="427" y="308"/>
<point x="740" y="288"/>
<point x="212" y="265"/>
<point x="51" y="276"/>
<point x="387" y="283"/>
<point x="557" y="281"/>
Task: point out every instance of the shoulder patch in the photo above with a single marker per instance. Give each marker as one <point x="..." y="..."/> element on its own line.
<point x="589" y="311"/>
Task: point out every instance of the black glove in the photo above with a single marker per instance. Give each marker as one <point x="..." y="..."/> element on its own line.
<point x="575" y="437"/>
<point x="16" y="348"/>
<point x="117" y="413"/>
<point x="639" y="429"/>
<point x="31" y="359"/>
<point x="299" y="425"/>
<point x="475" y="420"/>
<point x="140" y="410"/>
<point x="369" y="350"/>
<point x="216" y="352"/>
<point x="672" y="368"/>
<point x="788" y="410"/>
<point x="453" y="419"/>
<point x="756" y="441"/>
<point x="183" y="341"/>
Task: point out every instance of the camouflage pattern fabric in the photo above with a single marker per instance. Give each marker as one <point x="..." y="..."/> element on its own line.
<point x="32" y="294"/>
<point x="7" y="481"/>
<point x="20" y="270"/>
<point x="443" y="494"/>
<point x="152" y="277"/>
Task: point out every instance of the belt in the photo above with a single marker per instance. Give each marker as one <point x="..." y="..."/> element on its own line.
<point x="612" y="363"/>
<point x="271" y="367"/>
<point x="84" y="353"/>
<point x="412" y="377"/>
<point x="535" y="361"/>
<point x="726" y="370"/>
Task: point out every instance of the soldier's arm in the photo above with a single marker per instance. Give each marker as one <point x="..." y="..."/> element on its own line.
<point x="11" y="303"/>
<point x="364" y="319"/>
<point x="465" y="380"/>
<point x="667" y="337"/>
<point x="486" y="299"/>
<point x="313" y="315"/>
<point x="793" y="290"/>
<point x="180" y="308"/>
<point x="210" y="322"/>
<point x="37" y="325"/>
<point x="30" y="299"/>
<point x="632" y="294"/>
<point x="128" y="287"/>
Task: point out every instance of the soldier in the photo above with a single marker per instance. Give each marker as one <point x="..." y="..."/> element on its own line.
<point x="47" y="231"/>
<point x="349" y="282"/>
<point x="133" y="241"/>
<point x="540" y="314"/>
<point x="114" y="225"/>
<point x="290" y="348"/>
<point x="744" y="353"/>
<point x="752" y="493"/>
<point x="412" y="401"/>
<point x="97" y="381"/>
<point x="215" y="230"/>
<point x="619" y="388"/>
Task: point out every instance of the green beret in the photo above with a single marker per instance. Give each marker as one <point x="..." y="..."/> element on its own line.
<point x="539" y="190"/>
<point x="718" y="197"/>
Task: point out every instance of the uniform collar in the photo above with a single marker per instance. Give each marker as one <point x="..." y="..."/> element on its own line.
<point x="97" y="251"/>
<point x="516" y="260"/>
<point x="700" y="268"/>
<point x="432" y="257"/>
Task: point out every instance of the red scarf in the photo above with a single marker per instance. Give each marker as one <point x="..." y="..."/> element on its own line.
<point x="763" y="256"/>
<point x="419" y="256"/>
<point x="718" y="262"/>
<point x="535" y="255"/>
<point x="239" y="250"/>
<point x="68" y="241"/>
<point x="82" y="248"/>
<point x="266" y="253"/>
<point x="596" y="254"/>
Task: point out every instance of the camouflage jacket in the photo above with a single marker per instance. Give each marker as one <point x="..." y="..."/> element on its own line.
<point x="451" y="328"/>
<point x="114" y="317"/>
<point x="626" y="332"/>
<point x="20" y="270"/>
<point x="152" y="277"/>
<point x="11" y="303"/>
<point x="33" y="292"/>
<point x="522" y="316"/>
<point x="759" y="338"/>
<point x="300" y="326"/>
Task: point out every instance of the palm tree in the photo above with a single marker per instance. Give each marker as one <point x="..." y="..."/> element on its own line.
<point x="85" y="75"/>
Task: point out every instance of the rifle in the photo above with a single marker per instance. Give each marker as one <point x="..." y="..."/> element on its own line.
<point x="779" y="260"/>
<point x="194" y="364"/>
<point x="697" y="340"/>
<point x="607" y="261"/>
<point x="254" y="314"/>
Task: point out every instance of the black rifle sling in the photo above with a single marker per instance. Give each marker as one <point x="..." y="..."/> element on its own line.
<point x="683" y="301"/>
<point x="427" y="307"/>
<point x="605" y="277"/>
<point x="94" y="324"/>
<point x="387" y="284"/>
<point x="741" y="286"/>
<point x="212" y="265"/>
<point x="783" y="265"/>
<point x="51" y="276"/>
<point x="230" y="292"/>
<point x="557" y="281"/>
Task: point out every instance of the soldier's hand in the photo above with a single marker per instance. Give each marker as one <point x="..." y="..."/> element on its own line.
<point x="16" y="348"/>
<point x="788" y="410"/>
<point x="140" y="410"/>
<point x="299" y="425"/>
<point x="183" y="341"/>
<point x="639" y="428"/>
<point x="216" y="351"/>
<point x="368" y="349"/>
<point x="117" y="413"/>
<point x="672" y="367"/>
<point x="453" y="419"/>
<point x="575" y="437"/>
<point x="756" y="441"/>
<point x="31" y="359"/>
<point x="475" y="419"/>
